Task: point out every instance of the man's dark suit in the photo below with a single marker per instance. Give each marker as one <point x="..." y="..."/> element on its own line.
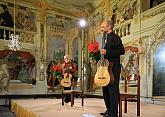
<point x="114" y="48"/>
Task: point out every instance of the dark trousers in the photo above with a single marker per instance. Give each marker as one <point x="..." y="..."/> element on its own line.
<point x="67" y="96"/>
<point x="111" y="93"/>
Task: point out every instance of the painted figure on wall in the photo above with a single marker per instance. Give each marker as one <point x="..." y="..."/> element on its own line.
<point x="55" y="75"/>
<point x="25" y="20"/>
<point x="33" y="71"/>
<point x="28" y="72"/>
<point x="21" y="66"/>
<point x="130" y="11"/>
<point x="24" y="74"/>
<point x="4" y="76"/>
<point x="5" y="20"/>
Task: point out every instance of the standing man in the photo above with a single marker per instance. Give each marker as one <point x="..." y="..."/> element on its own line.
<point x="112" y="51"/>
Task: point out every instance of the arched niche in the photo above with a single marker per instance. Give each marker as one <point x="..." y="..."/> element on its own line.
<point x="56" y="48"/>
<point x="159" y="70"/>
<point x="155" y="44"/>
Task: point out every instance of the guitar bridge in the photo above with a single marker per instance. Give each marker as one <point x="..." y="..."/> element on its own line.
<point x="101" y="78"/>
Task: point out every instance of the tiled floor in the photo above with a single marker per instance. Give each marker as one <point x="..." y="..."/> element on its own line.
<point x="53" y="108"/>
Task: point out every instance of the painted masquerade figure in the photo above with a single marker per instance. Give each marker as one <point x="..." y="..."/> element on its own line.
<point x="55" y="74"/>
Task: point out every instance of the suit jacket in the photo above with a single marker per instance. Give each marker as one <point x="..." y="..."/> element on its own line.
<point x="114" y="48"/>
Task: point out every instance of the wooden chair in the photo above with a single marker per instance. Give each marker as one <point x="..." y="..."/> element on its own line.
<point x="134" y="82"/>
<point x="73" y="92"/>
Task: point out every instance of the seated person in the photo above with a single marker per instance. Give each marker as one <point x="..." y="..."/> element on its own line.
<point x="68" y="67"/>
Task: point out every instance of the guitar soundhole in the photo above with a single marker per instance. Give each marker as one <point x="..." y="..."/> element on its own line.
<point x="101" y="78"/>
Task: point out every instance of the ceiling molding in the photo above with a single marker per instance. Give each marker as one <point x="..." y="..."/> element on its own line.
<point x="25" y="3"/>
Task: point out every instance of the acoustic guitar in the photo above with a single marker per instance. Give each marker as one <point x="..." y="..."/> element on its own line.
<point x="66" y="81"/>
<point x="102" y="76"/>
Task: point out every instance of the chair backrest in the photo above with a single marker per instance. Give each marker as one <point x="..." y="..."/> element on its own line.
<point x="130" y="73"/>
<point x="77" y="85"/>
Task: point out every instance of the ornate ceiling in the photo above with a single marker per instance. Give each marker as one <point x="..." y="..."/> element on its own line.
<point x="68" y="8"/>
<point x="75" y="4"/>
<point x="72" y="8"/>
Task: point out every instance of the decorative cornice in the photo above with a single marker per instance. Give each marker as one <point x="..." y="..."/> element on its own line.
<point x="153" y="11"/>
<point x="156" y="38"/>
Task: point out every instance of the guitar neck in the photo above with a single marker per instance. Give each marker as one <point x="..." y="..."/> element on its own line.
<point x="104" y="37"/>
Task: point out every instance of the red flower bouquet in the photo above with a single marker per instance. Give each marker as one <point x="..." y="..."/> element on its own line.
<point x="93" y="48"/>
<point x="57" y="71"/>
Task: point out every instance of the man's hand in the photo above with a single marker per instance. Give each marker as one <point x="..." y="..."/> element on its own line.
<point x="104" y="51"/>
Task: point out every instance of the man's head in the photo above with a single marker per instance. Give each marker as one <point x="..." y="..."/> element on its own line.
<point x="67" y="58"/>
<point x="107" y="26"/>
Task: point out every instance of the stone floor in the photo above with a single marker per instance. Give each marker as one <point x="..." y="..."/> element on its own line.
<point x="93" y="106"/>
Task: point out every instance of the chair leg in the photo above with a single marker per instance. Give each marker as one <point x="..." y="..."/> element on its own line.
<point x="82" y="99"/>
<point x="72" y="100"/>
<point x="120" y="106"/>
<point x="62" y="99"/>
<point x="125" y="105"/>
<point x="138" y="106"/>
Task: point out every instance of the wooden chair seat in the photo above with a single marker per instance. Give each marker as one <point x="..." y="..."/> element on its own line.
<point x="127" y="94"/>
<point x="73" y="92"/>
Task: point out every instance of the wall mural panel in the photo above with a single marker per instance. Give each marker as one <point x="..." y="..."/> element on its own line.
<point x="56" y="48"/>
<point x="18" y="67"/>
<point x="25" y="20"/>
<point x="56" y="26"/>
<point x="56" y="33"/>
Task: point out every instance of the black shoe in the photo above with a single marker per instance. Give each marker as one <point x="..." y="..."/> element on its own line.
<point x="106" y="115"/>
<point x="66" y="99"/>
<point x="106" y="112"/>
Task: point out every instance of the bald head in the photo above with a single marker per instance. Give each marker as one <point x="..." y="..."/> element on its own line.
<point x="107" y="25"/>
